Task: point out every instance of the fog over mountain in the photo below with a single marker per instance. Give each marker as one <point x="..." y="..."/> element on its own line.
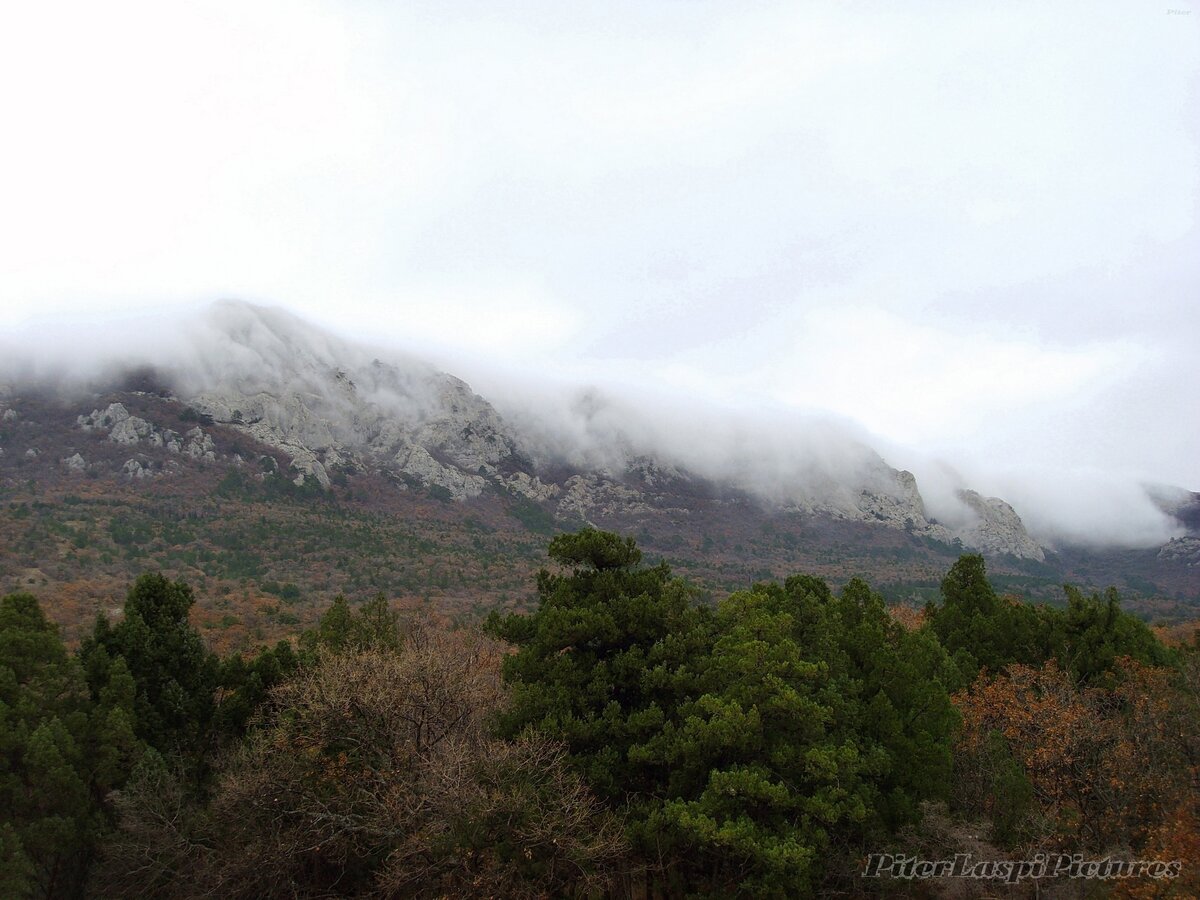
<point x="753" y="238"/>
<point x="781" y="385"/>
<point x="320" y="395"/>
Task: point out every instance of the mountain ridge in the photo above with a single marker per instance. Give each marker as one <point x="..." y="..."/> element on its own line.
<point x="333" y="405"/>
<point x="431" y="426"/>
<point x="320" y="464"/>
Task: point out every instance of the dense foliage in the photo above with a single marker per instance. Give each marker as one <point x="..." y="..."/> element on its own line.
<point x="742" y="745"/>
<point x="623" y="739"/>
<point x="985" y="632"/>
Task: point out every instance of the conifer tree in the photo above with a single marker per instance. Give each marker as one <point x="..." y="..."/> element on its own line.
<point x="174" y="676"/>
<point x="60" y="756"/>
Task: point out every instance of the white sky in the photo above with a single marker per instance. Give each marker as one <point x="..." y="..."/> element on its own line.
<point x="971" y="229"/>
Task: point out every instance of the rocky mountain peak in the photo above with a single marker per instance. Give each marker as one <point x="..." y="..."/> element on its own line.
<point x="997" y="528"/>
<point x="335" y="406"/>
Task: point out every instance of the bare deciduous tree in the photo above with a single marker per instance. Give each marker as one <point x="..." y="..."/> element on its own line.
<point x="374" y="774"/>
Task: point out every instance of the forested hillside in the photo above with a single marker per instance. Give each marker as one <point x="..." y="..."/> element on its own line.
<point x="625" y="736"/>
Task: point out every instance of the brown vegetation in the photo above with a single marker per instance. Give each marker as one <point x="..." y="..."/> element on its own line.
<point x="373" y="773"/>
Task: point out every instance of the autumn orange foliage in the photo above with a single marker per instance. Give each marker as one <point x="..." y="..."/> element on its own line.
<point x="1179" y="633"/>
<point x="909" y="617"/>
<point x="1113" y="769"/>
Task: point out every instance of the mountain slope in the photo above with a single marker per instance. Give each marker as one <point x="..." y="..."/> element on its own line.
<point x="330" y="407"/>
<point x="266" y="453"/>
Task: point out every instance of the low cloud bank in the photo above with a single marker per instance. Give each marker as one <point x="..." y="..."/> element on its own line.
<point x="777" y="452"/>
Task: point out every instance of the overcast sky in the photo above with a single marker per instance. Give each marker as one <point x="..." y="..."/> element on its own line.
<point x="973" y="230"/>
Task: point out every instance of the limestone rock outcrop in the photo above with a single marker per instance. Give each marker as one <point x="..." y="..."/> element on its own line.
<point x="328" y="406"/>
<point x="1184" y="550"/>
<point x="333" y="407"/>
<point x="997" y="528"/>
<point x="134" y="470"/>
<point x="75" y="463"/>
<point x="129" y="430"/>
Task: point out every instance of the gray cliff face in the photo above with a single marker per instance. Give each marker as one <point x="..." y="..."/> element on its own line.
<point x="431" y="429"/>
<point x="330" y="405"/>
<point x="892" y="498"/>
<point x="900" y="505"/>
<point x="1184" y="550"/>
<point x="997" y="528"/>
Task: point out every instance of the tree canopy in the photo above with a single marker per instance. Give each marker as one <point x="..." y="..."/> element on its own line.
<point x="627" y="737"/>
